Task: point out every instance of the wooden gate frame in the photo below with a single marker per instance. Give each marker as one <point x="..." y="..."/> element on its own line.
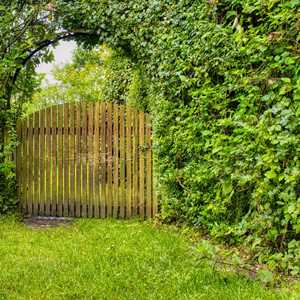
<point x="73" y="161"/>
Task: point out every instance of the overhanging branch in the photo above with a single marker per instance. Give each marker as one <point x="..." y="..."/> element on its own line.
<point x="42" y="45"/>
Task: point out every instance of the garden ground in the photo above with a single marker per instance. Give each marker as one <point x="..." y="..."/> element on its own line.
<point x="111" y="259"/>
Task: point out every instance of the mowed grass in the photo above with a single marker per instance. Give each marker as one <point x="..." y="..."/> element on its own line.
<point x="110" y="259"/>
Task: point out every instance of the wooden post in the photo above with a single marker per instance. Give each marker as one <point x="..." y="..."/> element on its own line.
<point x="60" y="157"/>
<point x="149" y="174"/>
<point x="48" y="166"/>
<point x="42" y="163"/>
<point x="109" y="160"/>
<point x="116" y="162"/>
<point x="103" y="161"/>
<point x="54" y="161"/>
<point x="84" y="161"/>
<point x="90" y="159"/>
<point x="122" y="195"/>
<point x="142" y="165"/>
<point x="72" y="160"/>
<point x="97" y="160"/>
<point x="135" y="157"/>
<point x="128" y="162"/>
<point x="78" y="161"/>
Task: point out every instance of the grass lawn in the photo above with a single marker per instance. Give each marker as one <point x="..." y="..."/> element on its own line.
<point x="96" y="259"/>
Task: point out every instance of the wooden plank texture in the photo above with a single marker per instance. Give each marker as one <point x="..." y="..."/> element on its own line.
<point x="96" y="160"/>
<point x="109" y="142"/>
<point x="148" y="168"/>
<point x="42" y="163"/>
<point x="90" y="159"/>
<point x="135" y="160"/>
<point x="103" y="161"/>
<point x="48" y="179"/>
<point x="154" y="195"/>
<point x="116" y="161"/>
<point x="24" y="162"/>
<point x="72" y="160"/>
<point x="30" y="170"/>
<point x="18" y="160"/>
<point x="34" y="163"/>
<point x="66" y="160"/>
<point x="128" y="162"/>
<point x="23" y="167"/>
<point x="142" y="165"/>
<point x="122" y="164"/>
<point x="84" y="161"/>
<point x="78" y="162"/>
<point x="54" y="160"/>
<point x="60" y="157"/>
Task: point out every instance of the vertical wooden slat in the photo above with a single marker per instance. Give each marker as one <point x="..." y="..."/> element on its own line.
<point x="90" y="159"/>
<point x="135" y="160"/>
<point x="148" y="168"/>
<point x="18" y="160"/>
<point x="60" y="141"/>
<point x="84" y="161"/>
<point x="142" y="165"/>
<point x="154" y="195"/>
<point x="103" y="161"/>
<point x="78" y="161"/>
<point x="109" y="160"/>
<point x="96" y="160"/>
<point x="19" y="163"/>
<point x="36" y="162"/>
<point x="116" y="160"/>
<point x="128" y="162"/>
<point x="42" y="163"/>
<point x="72" y="160"/>
<point x="54" y="160"/>
<point x="26" y="162"/>
<point x="30" y="165"/>
<point x="48" y="180"/>
<point x="31" y="158"/>
<point x="66" y="160"/>
<point x="23" y="166"/>
<point x="122" y="163"/>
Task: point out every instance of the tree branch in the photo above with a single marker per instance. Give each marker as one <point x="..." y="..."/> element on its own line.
<point x="41" y="46"/>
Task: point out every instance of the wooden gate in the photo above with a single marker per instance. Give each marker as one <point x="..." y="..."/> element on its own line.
<point x="86" y="160"/>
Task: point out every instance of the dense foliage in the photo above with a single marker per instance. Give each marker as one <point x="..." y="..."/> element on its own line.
<point x="100" y="74"/>
<point x="223" y="86"/>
